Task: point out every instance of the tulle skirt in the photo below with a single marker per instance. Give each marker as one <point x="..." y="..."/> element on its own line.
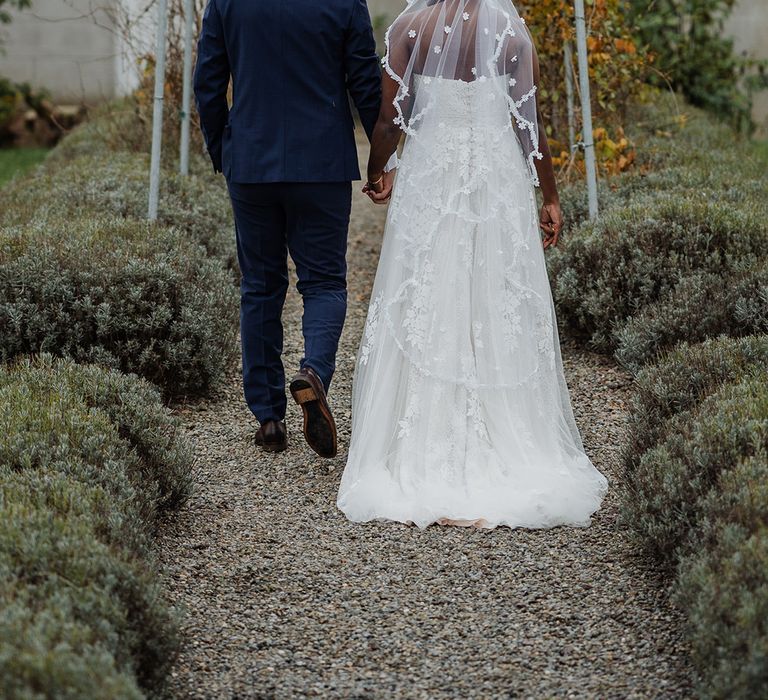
<point x="461" y="413"/>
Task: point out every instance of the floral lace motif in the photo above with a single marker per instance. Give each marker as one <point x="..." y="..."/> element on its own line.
<point x="462" y="183"/>
<point x="371" y="324"/>
<point x="466" y="304"/>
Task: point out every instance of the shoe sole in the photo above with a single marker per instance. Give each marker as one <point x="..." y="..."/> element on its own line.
<point x="319" y="426"/>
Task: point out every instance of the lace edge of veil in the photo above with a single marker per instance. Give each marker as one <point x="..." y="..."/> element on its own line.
<point x="522" y="122"/>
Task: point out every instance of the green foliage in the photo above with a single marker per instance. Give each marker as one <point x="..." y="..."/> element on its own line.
<point x="679" y="255"/>
<point x="680" y="381"/>
<point x="673" y="478"/>
<point x="575" y="206"/>
<point x="671" y="159"/>
<point x="17" y="96"/>
<point x="723" y="586"/>
<point x="697" y="497"/>
<point x="124" y="294"/>
<point x="699" y="307"/>
<point x="697" y="491"/>
<point x="125" y="126"/>
<point x="610" y="269"/>
<point x="116" y="184"/>
<point x="8" y="98"/>
<point x="160" y="463"/>
<point x="113" y="127"/>
<point x="5" y="17"/>
<point x="88" y="458"/>
<point x="15" y="162"/>
<point x="696" y="56"/>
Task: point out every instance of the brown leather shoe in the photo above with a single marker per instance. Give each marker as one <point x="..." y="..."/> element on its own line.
<point x="272" y="436"/>
<point x="319" y="426"/>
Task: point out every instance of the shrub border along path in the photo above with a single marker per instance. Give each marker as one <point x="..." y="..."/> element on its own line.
<point x="284" y="598"/>
<point x="88" y="460"/>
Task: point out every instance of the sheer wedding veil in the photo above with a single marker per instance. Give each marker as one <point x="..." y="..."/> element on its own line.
<point x="466" y="40"/>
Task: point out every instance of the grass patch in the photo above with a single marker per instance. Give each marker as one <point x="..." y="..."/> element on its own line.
<point x="17" y="161"/>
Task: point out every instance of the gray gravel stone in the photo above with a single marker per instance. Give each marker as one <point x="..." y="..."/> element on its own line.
<point x="281" y="597"/>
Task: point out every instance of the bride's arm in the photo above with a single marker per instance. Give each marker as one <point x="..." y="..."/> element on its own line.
<point x="551" y="217"/>
<point x="386" y="133"/>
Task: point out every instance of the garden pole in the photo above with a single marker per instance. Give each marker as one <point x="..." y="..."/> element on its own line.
<point x="586" y="107"/>
<point x="186" y="98"/>
<point x="157" y="114"/>
<point x="568" y="65"/>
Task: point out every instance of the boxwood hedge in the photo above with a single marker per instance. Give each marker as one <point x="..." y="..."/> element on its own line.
<point x="723" y="584"/>
<point x="688" y="154"/>
<point x="610" y="269"/>
<point x="120" y="293"/>
<point x="680" y="381"/>
<point x="116" y="185"/>
<point x="673" y="478"/>
<point x="678" y="256"/>
<point x="88" y="458"/>
<point x="700" y="306"/>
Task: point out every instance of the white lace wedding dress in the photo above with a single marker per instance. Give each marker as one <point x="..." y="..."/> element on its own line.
<point x="461" y="414"/>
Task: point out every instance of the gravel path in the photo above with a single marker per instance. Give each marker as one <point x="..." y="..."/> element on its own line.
<point x="283" y="598"/>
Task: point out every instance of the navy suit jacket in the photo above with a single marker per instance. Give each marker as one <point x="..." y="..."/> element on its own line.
<point x="293" y="64"/>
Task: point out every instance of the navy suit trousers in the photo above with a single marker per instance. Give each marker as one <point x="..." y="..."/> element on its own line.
<point x="309" y="221"/>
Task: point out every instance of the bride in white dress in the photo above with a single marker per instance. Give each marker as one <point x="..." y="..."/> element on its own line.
<point x="461" y="413"/>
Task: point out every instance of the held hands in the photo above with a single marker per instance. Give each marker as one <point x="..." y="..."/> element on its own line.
<point x="550" y="218"/>
<point x="380" y="190"/>
<point x="551" y="222"/>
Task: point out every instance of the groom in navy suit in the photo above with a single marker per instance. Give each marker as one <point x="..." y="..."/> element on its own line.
<point x="287" y="149"/>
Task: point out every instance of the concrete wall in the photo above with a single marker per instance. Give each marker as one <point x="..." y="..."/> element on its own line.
<point x="748" y="25"/>
<point x="69" y="48"/>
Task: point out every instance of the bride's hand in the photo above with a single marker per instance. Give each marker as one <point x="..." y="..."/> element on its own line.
<point x="551" y="222"/>
<point x="380" y="192"/>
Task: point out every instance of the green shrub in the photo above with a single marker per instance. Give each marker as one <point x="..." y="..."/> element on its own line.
<point x="73" y="607"/>
<point x="116" y="185"/>
<point x="672" y="133"/>
<point x="700" y="307"/>
<point x="88" y="458"/>
<point x="740" y="502"/>
<point x="673" y="479"/>
<point x="124" y="294"/>
<point x="575" y="205"/>
<point x="695" y="54"/>
<point x="159" y="463"/>
<point x="723" y="585"/>
<point x="688" y="153"/>
<point x="702" y="182"/>
<point x="610" y="269"/>
<point x="111" y="128"/>
<point x="125" y="126"/>
<point x="681" y="380"/>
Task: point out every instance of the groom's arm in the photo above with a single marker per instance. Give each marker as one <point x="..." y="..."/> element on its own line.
<point x="362" y="66"/>
<point x="211" y="82"/>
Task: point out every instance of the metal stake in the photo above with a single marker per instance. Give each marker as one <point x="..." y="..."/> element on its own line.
<point x="186" y="98"/>
<point x="586" y="107"/>
<point x="157" y="113"/>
